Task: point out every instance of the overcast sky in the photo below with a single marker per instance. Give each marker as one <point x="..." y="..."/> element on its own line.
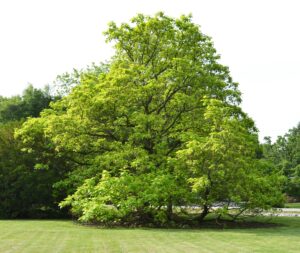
<point x="258" y="39"/>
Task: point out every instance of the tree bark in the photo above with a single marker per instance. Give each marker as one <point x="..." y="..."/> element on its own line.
<point x="204" y="213"/>
<point x="170" y="209"/>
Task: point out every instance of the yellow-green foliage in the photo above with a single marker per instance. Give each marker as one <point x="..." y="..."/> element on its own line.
<point x="161" y="128"/>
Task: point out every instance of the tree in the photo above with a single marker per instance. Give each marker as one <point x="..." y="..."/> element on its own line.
<point x="10" y="109"/>
<point x="24" y="190"/>
<point x="142" y="130"/>
<point x="284" y="153"/>
<point x="30" y="104"/>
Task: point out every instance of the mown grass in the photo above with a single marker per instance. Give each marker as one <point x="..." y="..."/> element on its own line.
<point x="36" y="236"/>
<point x="292" y="205"/>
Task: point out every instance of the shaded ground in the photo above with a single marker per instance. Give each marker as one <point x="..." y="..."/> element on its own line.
<point x="223" y="224"/>
<point x="211" y="224"/>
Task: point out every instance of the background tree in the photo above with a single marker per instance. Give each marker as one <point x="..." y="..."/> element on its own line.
<point x="31" y="169"/>
<point x="24" y="191"/>
<point x="30" y="104"/>
<point x="26" y="188"/>
<point x="284" y="153"/>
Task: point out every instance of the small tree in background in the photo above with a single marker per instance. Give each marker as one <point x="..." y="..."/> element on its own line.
<point x="284" y="154"/>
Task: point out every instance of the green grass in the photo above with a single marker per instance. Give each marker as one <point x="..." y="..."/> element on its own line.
<point x="36" y="236"/>
<point x="292" y="205"/>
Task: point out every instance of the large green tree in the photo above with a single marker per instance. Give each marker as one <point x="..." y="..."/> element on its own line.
<point x="160" y="129"/>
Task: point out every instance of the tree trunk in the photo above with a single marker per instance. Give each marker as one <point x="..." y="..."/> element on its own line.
<point x="203" y="214"/>
<point x="170" y="209"/>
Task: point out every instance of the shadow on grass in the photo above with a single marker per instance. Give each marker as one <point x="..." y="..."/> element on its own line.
<point x="212" y="224"/>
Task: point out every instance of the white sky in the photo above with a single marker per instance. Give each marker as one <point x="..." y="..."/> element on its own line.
<point x="258" y="39"/>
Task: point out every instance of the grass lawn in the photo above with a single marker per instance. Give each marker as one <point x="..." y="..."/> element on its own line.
<point x="37" y="236"/>
<point x="292" y="205"/>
